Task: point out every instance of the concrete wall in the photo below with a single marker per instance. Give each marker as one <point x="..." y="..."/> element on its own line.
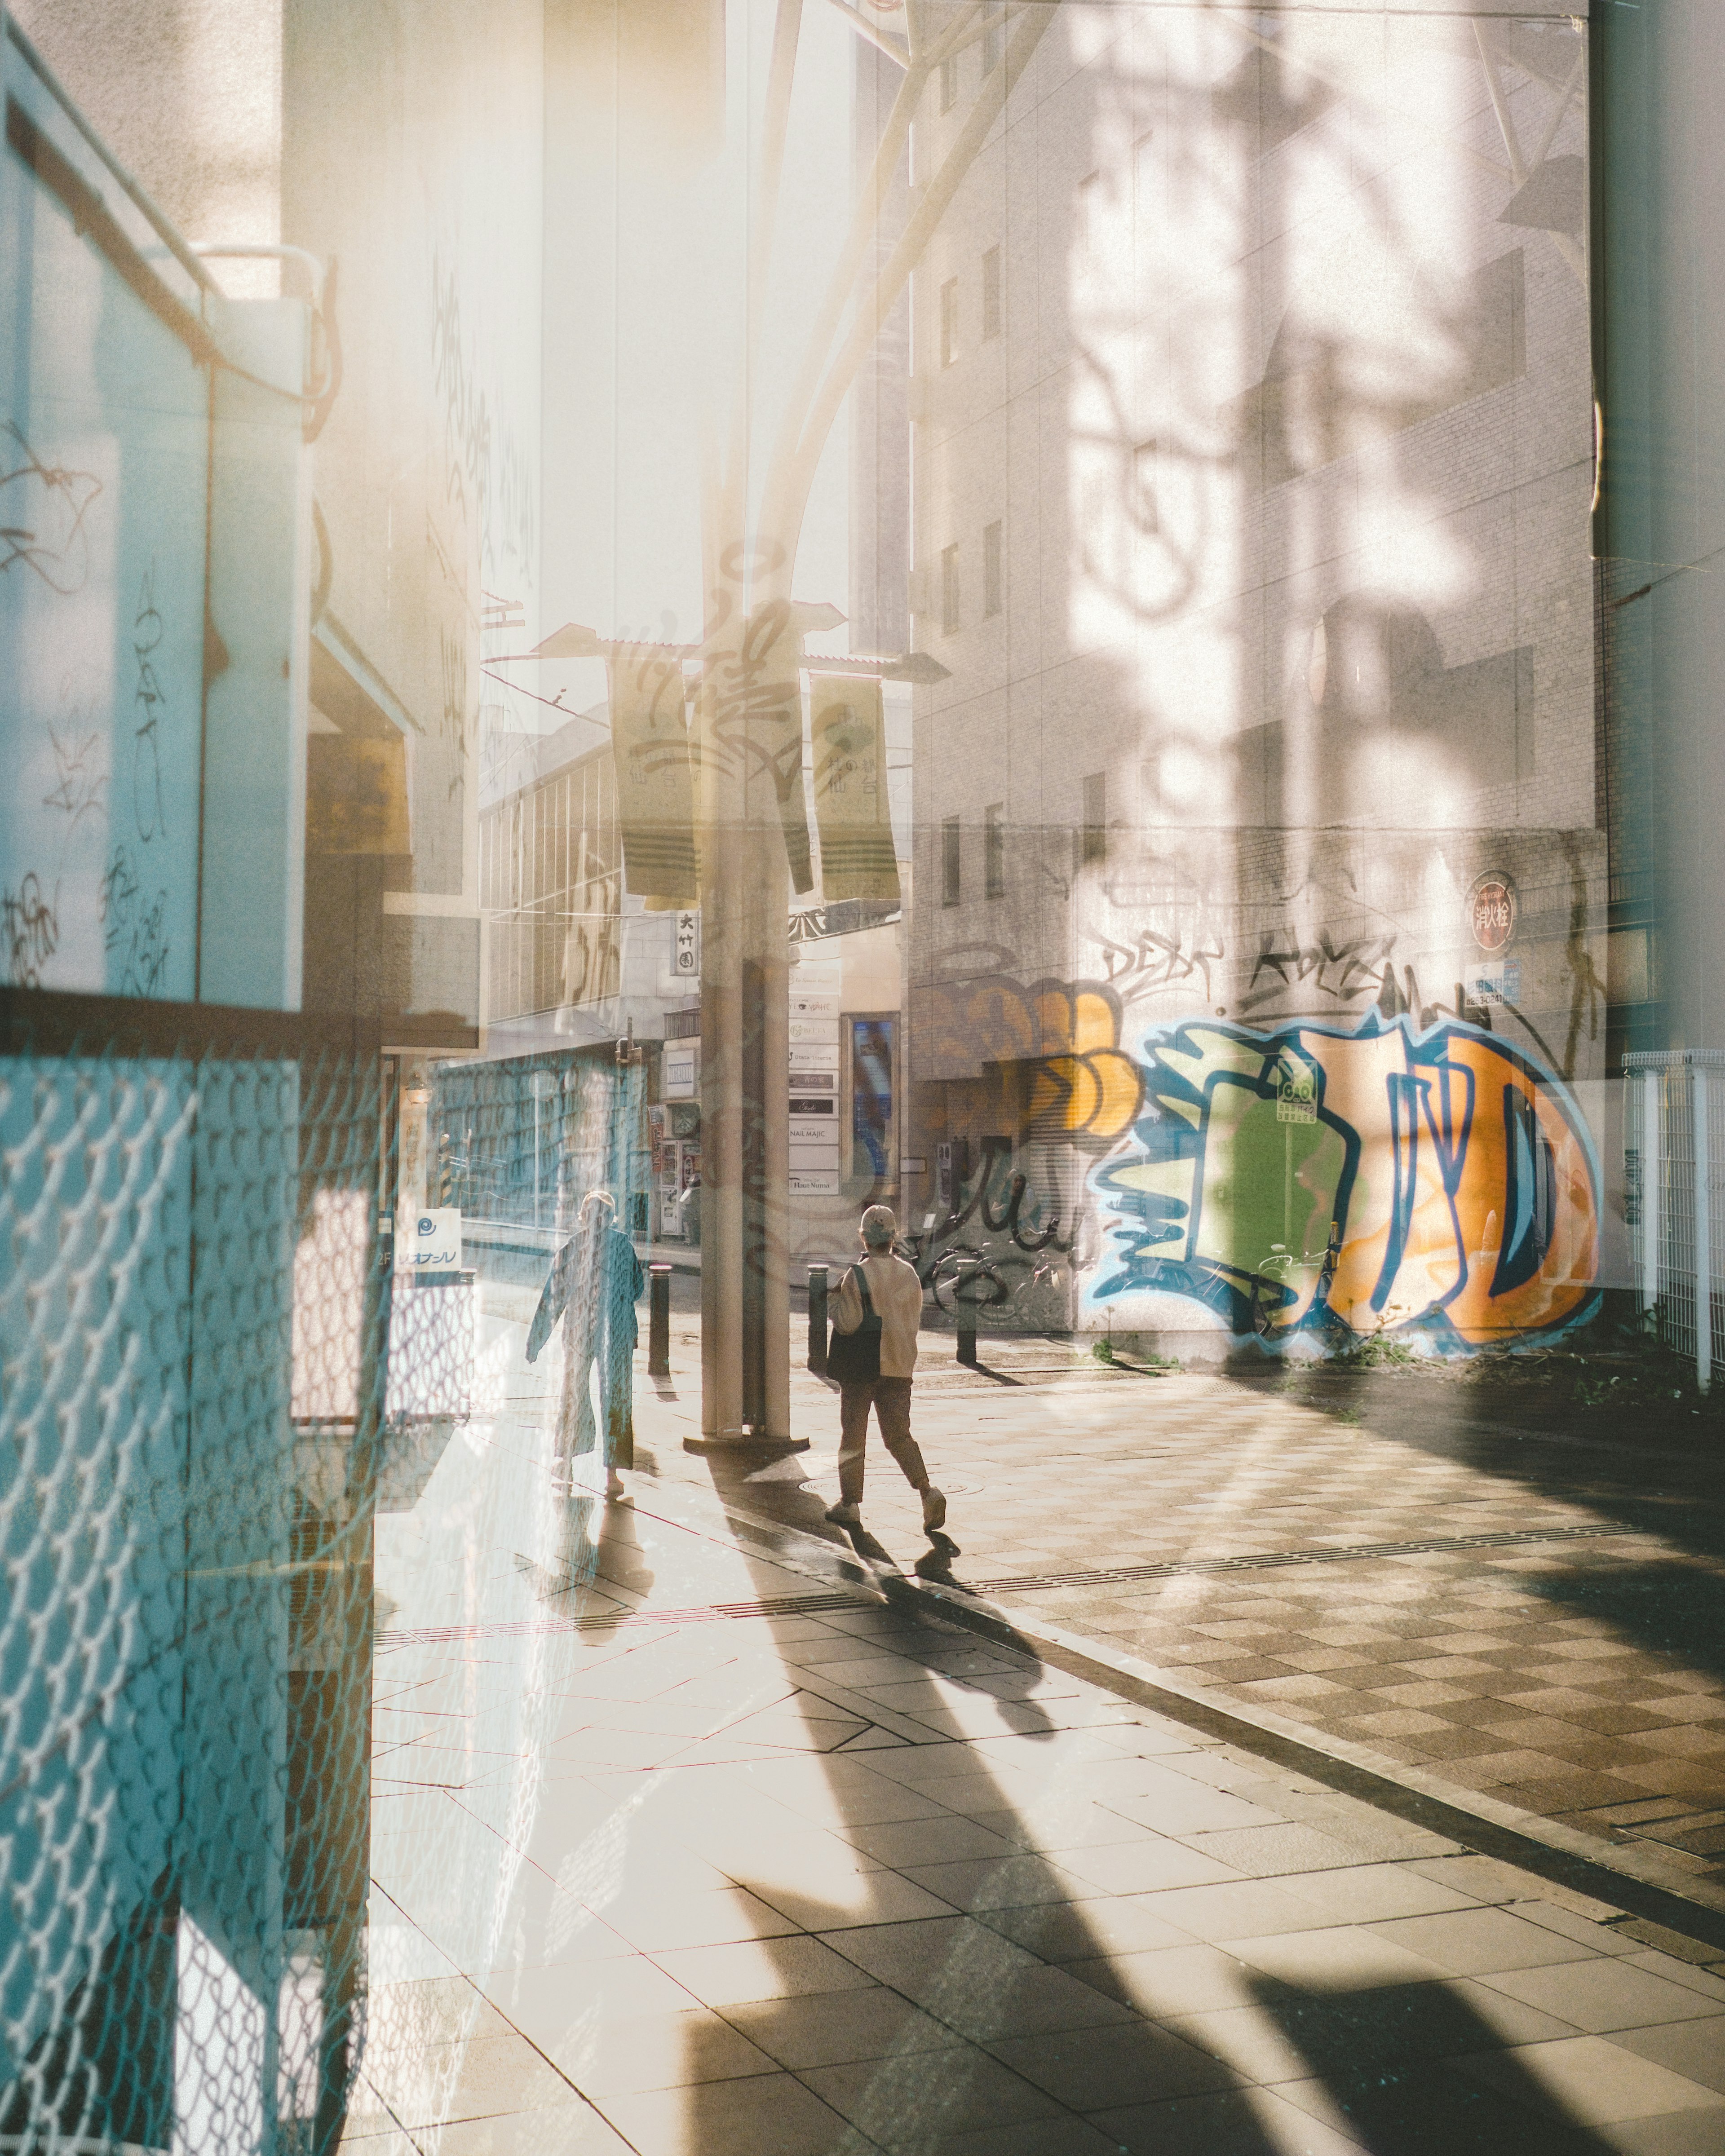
<point x="188" y="94"/>
<point x="405" y="147"/>
<point x="1287" y="431"/>
<point x="1660" y="269"/>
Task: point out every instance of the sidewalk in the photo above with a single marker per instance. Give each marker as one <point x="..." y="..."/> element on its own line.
<point x="1527" y="1621"/>
<point x="687" y="1843"/>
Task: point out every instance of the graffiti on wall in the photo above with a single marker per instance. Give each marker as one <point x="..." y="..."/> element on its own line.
<point x="1349" y="1183"/>
<point x="1082" y="1083"/>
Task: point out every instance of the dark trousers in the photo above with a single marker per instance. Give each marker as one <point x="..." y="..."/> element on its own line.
<point x="890" y="1399"/>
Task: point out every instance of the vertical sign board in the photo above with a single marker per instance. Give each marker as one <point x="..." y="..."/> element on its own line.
<point x="813" y="1075"/>
<point x="686" y="954"/>
<point x="679" y="1071"/>
<point x="872" y="1042"/>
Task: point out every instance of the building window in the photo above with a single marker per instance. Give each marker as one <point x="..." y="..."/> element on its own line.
<point x="991" y="294"/>
<point x="1094" y="843"/>
<point x="991" y="568"/>
<point x="994" y="34"/>
<point x="952" y="863"/>
<point x="949" y="83"/>
<point x="1146" y="513"/>
<point x="949" y="322"/>
<point x="949" y="590"/>
<point x="994" y="850"/>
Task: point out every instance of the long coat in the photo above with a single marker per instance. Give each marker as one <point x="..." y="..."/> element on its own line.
<point x="602" y="1327"/>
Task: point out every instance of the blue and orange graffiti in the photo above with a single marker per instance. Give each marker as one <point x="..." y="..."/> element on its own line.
<point x="1065" y="1034"/>
<point x="1371" y="1180"/>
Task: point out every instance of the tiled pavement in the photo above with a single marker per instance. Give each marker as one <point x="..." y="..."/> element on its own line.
<point x="824" y="1883"/>
<point x="1580" y="1680"/>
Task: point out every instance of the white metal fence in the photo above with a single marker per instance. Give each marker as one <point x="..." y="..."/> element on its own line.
<point x="1674" y="1151"/>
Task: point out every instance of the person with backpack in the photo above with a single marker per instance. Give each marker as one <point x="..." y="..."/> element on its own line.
<point x="873" y="1355"/>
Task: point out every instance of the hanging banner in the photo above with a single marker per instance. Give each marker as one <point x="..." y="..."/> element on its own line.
<point x="857" y="857"/>
<point x="770" y="682"/>
<point x="751" y="733"/>
<point x="656" y="791"/>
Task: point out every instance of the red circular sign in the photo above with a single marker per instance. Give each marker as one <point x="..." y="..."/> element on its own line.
<point x="1491" y="912"/>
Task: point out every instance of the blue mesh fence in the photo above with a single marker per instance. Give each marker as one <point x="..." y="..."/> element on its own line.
<point x="212" y="1383"/>
<point x="193" y="1310"/>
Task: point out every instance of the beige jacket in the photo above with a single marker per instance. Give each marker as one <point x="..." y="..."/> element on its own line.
<point x="897" y="1297"/>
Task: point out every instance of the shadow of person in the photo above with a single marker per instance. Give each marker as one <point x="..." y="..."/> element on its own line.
<point x="938" y="1962"/>
<point x="904" y="2012"/>
<point x="1405" y="2067"/>
<point x="598" y="1552"/>
<point x="936" y="1561"/>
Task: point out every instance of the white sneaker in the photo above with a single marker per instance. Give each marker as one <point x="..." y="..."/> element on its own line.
<point x="934" y="1509"/>
<point x="846" y="1515"/>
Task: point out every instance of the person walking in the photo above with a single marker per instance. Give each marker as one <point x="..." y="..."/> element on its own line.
<point x="596" y="1279"/>
<point x="873" y="1355"/>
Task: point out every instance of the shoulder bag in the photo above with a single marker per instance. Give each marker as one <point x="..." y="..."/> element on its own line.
<point x="855" y="1358"/>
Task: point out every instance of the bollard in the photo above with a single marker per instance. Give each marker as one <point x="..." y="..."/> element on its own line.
<point x="658" y="1320"/>
<point x="817" y="1319"/>
<point x="965" y="1313"/>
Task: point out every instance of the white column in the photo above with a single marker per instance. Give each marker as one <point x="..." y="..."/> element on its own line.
<point x="1703" y="1238"/>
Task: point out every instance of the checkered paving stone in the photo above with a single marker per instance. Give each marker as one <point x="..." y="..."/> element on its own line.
<point x="765" y="1871"/>
<point x="1581" y="1678"/>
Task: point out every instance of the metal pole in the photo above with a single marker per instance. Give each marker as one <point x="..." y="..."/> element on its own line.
<point x="745" y="1035"/>
<point x="818" y="1320"/>
<point x="1652" y="1186"/>
<point x="659" y="1320"/>
<point x="1703" y="1238"/>
<point x="965" y="1315"/>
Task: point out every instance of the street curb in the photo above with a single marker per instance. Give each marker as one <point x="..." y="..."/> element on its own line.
<point x="1629" y="1878"/>
<point x="1626" y="1878"/>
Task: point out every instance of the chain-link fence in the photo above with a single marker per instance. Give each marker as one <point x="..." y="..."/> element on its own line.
<point x="213" y="1381"/>
<point x="193" y="1310"/>
<point x="522" y="1142"/>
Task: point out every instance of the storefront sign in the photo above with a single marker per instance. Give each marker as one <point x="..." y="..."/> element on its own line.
<point x="679" y="1070"/>
<point x="433" y="1244"/>
<point x="813" y="1162"/>
<point x="686" y="961"/>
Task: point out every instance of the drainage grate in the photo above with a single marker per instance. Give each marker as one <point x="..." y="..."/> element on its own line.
<point x="1267" y="1561"/>
<point x="613" y="1620"/>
